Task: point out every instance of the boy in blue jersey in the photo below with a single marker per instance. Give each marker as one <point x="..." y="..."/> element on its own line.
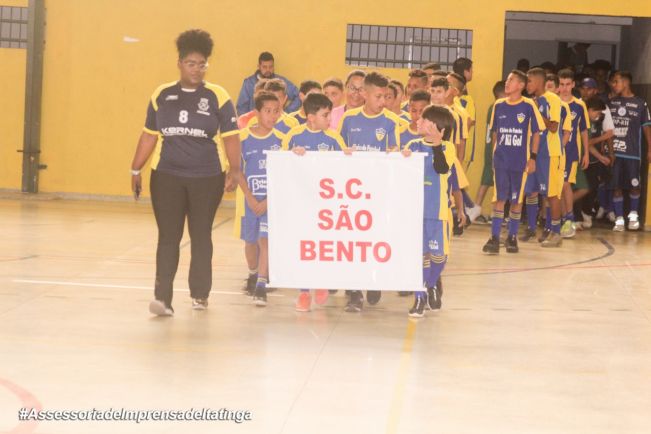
<point x="255" y="140"/>
<point x="515" y="128"/>
<point x="435" y="127"/>
<point x="285" y="122"/>
<point x="576" y="150"/>
<point x="314" y="135"/>
<point x="370" y="128"/>
<point x="307" y="87"/>
<point x="418" y="80"/>
<point x="548" y="178"/>
<point x="631" y="118"/>
<point x="417" y="103"/>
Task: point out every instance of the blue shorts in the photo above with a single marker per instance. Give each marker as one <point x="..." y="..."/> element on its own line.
<point x="625" y="174"/>
<point x="253" y="227"/>
<point x="509" y="185"/>
<point x="548" y="177"/>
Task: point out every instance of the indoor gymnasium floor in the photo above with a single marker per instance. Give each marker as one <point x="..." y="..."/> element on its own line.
<point x="547" y="341"/>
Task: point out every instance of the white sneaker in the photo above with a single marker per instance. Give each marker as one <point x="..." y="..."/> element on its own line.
<point x="158" y="308"/>
<point x="587" y="220"/>
<point x="611" y="217"/>
<point x="600" y="213"/>
<point x="473" y="212"/>
<point x="619" y="224"/>
<point x="633" y="221"/>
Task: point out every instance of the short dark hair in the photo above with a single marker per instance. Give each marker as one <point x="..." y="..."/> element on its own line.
<point x="442" y="117"/>
<point x="260" y="84"/>
<point x="460" y="78"/>
<point x="315" y="102"/>
<point x="396" y="85"/>
<point x="554" y="78"/>
<point x="431" y="65"/>
<point x="548" y="65"/>
<point x="276" y="85"/>
<point x="441" y="82"/>
<point x="595" y="103"/>
<point x="334" y="82"/>
<point x="308" y="85"/>
<point x="440" y="73"/>
<point x="537" y="71"/>
<point x="355" y="73"/>
<point x="523" y="65"/>
<point x="602" y="64"/>
<point x="265" y="56"/>
<point x="262" y="97"/>
<point x="566" y="73"/>
<point x="520" y="75"/>
<point x="420" y="95"/>
<point x="461" y="64"/>
<point x="498" y="87"/>
<point x="194" y="41"/>
<point x="420" y="74"/>
<point x="376" y="79"/>
<point x="625" y="75"/>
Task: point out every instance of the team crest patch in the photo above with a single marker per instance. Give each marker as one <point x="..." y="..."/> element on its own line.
<point x="203" y="104"/>
<point x="521" y="117"/>
<point x="274" y="148"/>
<point x="621" y="111"/>
<point x="573" y="115"/>
<point x="322" y="147"/>
<point x="380" y="133"/>
<point x="433" y="245"/>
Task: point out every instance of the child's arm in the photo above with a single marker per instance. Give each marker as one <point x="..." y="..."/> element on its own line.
<point x="298" y="150"/>
<point x="458" y="203"/>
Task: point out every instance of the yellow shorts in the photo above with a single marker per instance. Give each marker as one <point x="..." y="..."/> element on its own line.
<point x="461" y="175"/>
<point x="556" y="176"/>
<point x="570" y="172"/>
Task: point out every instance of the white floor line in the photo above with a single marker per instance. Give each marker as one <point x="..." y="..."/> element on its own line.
<point x="101" y="285"/>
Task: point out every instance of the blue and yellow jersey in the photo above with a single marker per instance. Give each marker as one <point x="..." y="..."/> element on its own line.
<point x="404" y="106"/>
<point x="254" y="160"/>
<point x="190" y="125"/>
<point x="463" y="120"/>
<point x="370" y="133"/>
<point x="549" y="105"/>
<point x="566" y="123"/>
<point x="407" y="136"/>
<point x="284" y="124"/>
<point x="436" y="200"/>
<point x="324" y="140"/>
<point x="580" y="122"/>
<point x="299" y="117"/>
<point x="514" y="123"/>
<point x="406" y="116"/>
<point x="468" y="103"/>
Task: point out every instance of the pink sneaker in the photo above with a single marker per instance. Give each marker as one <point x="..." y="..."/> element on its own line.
<point x="304" y="302"/>
<point x="321" y="296"/>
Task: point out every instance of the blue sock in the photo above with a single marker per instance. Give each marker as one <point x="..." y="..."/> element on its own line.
<point x="618" y="204"/>
<point x="514" y="223"/>
<point x="635" y="202"/>
<point x="261" y="283"/>
<point x="496" y="224"/>
<point x="438" y="263"/>
<point x="556" y="226"/>
<point x="570" y="216"/>
<point x="427" y="264"/>
<point x="548" y="218"/>
<point x="602" y="197"/>
<point x="467" y="202"/>
<point x="532" y="212"/>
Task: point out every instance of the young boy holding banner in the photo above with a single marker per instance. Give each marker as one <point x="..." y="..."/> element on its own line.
<point x="435" y="128"/>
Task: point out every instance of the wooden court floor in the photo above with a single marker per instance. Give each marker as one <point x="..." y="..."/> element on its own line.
<point x="547" y="341"/>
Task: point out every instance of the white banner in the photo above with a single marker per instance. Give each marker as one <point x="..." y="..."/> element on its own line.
<point x="345" y="222"/>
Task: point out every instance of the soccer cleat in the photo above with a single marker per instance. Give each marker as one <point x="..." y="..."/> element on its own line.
<point x="553" y="240"/>
<point x="373" y="297"/>
<point x="619" y="225"/>
<point x="611" y="217"/>
<point x="418" y="309"/>
<point x="457" y="230"/>
<point x="587" y="221"/>
<point x="260" y="296"/>
<point x="633" y="221"/>
<point x="250" y="284"/>
<point x="545" y="234"/>
<point x="199" y="303"/>
<point x="481" y="220"/>
<point x="529" y="235"/>
<point x="492" y="246"/>
<point x="159" y="308"/>
<point x="355" y="303"/>
<point x="473" y="213"/>
<point x="512" y="244"/>
<point x="304" y="302"/>
<point x="321" y="296"/>
<point x="568" y="230"/>
<point x="434" y="300"/>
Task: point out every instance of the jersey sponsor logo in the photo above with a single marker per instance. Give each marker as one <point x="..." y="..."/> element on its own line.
<point x="521" y="117"/>
<point x="355" y="130"/>
<point x="171" y="97"/>
<point x="366" y="148"/>
<point x="380" y="133"/>
<point x="184" y="131"/>
<point x="621" y="111"/>
<point x="258" y="184"/>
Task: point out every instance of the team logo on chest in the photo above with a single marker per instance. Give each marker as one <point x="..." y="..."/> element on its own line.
<point x="521" y="117"/>
<point x="203" y="105"/>
<point x="380" y="133"/>
<point x="573" y="115"/>
<point x="322" y="147"/>
<point x="621" y="111"/>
